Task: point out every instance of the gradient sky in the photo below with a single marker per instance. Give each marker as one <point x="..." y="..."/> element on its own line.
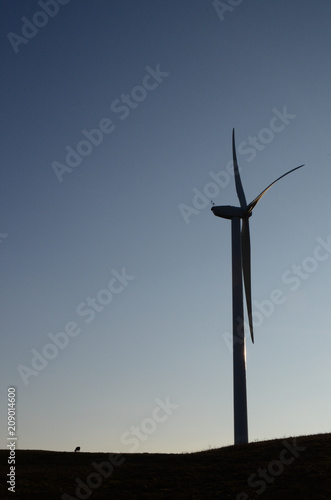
<point x="137" y="205"/>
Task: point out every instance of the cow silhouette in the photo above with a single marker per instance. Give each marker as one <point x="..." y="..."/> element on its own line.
<point x="77" y="448"/>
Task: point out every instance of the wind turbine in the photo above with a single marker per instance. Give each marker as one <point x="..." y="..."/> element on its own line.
<point x="241" y="268"/>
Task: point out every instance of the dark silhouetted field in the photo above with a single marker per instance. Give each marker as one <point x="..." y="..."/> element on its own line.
<point x="288" y="468"/>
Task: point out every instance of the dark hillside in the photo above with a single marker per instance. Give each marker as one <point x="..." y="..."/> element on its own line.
<point x="289" y="468"/>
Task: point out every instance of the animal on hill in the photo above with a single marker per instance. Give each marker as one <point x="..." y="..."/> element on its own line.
<point x="77" y="448"/>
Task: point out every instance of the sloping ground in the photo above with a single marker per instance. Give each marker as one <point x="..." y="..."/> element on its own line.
<point x="291" y="468"/>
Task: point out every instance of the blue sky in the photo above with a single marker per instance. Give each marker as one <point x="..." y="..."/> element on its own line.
<point x="121" y="251"/>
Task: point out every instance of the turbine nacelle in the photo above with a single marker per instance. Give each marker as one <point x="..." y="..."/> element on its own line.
<point x="229" y="212"/>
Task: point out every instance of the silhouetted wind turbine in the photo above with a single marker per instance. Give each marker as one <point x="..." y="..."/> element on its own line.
<point x="241" y="267"/>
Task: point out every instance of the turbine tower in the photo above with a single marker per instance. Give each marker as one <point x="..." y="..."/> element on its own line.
<point x="241" y="271"/>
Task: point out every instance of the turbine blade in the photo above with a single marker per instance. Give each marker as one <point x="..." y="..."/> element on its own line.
<point x="246" y="265"/>
<point x="239" y="188"/>
<point x="257" y="199"/>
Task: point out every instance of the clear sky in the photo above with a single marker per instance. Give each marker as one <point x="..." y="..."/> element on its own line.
<point x="115" y="275"/>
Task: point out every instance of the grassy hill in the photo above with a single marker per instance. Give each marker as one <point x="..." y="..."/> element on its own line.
<point x="289" y="468"/>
